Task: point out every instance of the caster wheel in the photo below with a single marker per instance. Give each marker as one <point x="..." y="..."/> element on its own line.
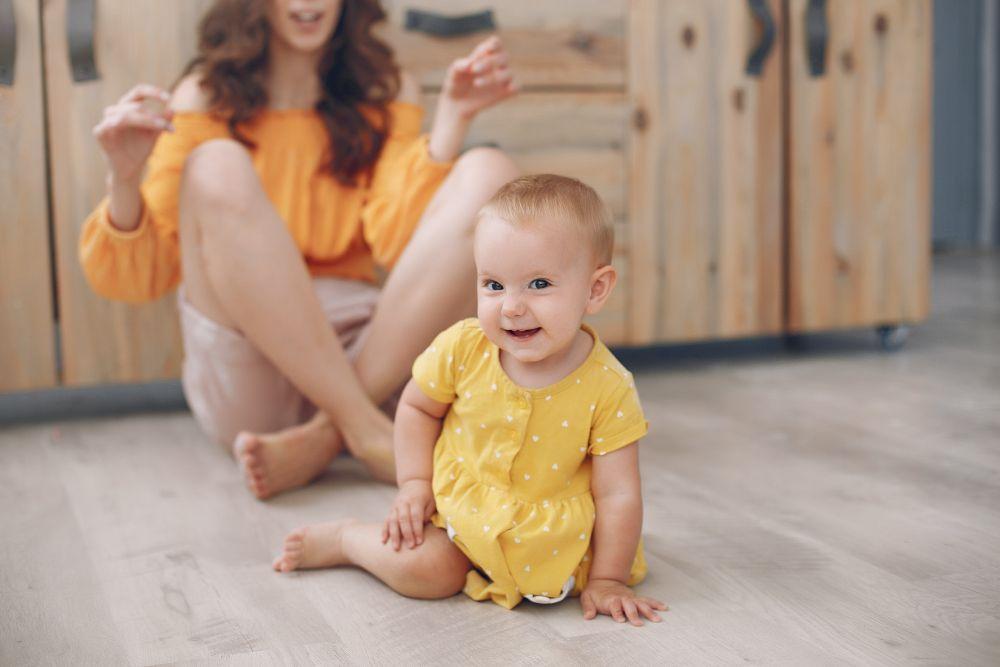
<point x="892" y="338"/>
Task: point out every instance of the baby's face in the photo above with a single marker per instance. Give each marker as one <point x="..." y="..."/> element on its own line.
<point x="533" y="285"/>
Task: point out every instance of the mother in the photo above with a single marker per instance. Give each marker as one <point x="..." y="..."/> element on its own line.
<point x="289" y="168"/>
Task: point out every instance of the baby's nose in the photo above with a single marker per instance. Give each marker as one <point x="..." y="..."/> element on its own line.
<point x="513" y="305"/>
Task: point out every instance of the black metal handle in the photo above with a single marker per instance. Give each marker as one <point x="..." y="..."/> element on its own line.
<point x="8" y="42"/>
<point x="817" y="34"/>
<point x="80" y="38"/>
<point x="440" y="25"/>
<point x="756" y="60"/>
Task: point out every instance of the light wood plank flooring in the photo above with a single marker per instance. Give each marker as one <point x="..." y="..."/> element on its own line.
<point x="833" y="505"/>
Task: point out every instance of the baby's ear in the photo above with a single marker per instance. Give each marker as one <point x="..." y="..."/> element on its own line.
<point x="602" y="281"/>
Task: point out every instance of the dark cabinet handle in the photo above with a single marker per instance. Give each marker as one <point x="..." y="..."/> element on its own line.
<point x="80" y="38"/>
<point x="440" y="25"/>
<point x="817" y="33"/>
<point x="755" y="63"/>
<point x="8" y="42"/>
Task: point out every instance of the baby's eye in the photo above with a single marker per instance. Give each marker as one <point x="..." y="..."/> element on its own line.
<point x="493" y="286"/>
<point x="539" y="283"/>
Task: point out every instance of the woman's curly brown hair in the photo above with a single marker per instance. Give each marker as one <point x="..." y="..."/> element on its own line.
<point x="358" y="74"/>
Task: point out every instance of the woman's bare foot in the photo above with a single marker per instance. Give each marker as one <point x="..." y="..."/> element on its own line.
<point x="318" y="545"/>
<point x="277" y="462"/>
<point x="374" y="448"/>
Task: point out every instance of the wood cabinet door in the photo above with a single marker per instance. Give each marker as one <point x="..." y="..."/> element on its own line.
<point x="705" y="172"/>
<point x="571" y="115"/>
<point x="136" y="41"/>
<point x="27" y="321"/>
<point x="859" y="174"/>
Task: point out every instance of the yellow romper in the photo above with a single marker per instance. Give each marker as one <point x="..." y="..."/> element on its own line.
<point x="512" y="465"/>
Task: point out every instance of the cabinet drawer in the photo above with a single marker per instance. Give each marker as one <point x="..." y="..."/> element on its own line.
<point x="550" y="44"/>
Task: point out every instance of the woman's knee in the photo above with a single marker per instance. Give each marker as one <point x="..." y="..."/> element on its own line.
<point x="486" y="169"/>
<point x="218" y="173"/>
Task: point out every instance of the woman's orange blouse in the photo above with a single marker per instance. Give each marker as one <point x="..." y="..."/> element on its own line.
<point x="341" y="231"/>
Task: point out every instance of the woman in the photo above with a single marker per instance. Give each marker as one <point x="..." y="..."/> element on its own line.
<point x="291" y="166"/>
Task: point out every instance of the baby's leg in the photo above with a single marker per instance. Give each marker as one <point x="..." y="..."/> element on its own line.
<point x="434" y="569"/>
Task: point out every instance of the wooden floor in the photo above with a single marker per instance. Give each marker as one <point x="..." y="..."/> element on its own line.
<point x="833" y="505"/>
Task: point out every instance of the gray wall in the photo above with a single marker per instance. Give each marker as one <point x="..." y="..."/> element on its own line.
<point x="964" y="213"/>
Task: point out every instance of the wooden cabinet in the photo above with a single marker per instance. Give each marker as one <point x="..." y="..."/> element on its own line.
<point x="859" y="185"/>
<point x="142" y="40"/>
<point x="706" y="174"/>
<point x="746" y="203"/>
<point x="27" y="340"/>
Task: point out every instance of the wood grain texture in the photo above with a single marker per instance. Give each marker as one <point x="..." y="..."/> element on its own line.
<point x="859" y="175"/>
<point x="135" y="42"/>
<point x="27" y="341"/>
<point x="832" y="506"/>
<point x="705" y="174"/>
<point x="550" y="44"/>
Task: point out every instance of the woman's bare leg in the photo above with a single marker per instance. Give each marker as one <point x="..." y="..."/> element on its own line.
<point x="431" y="287"/>
<point x="434" y="569"/>
<point x="242" y="269"/>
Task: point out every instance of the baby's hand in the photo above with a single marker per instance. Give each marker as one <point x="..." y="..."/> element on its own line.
<point x="615" y="599"/>
<point x="414" y="504"/>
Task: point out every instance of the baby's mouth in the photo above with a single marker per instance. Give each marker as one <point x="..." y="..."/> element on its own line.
<point x="522" y="334"/>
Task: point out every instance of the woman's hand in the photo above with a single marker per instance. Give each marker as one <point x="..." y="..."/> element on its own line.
<point x="472" y="84"/>
<point x="477" y="81"/>
<point x="414" y="504"/>
<point x="615" y="599"/>
<point x="130" y="128"/>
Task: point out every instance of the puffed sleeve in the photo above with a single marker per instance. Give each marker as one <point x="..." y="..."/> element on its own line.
<point x="618" y="419"/>
<point x="404" y="180"/>
<point x="143" y="264"/>
<point x="434" y="371"/>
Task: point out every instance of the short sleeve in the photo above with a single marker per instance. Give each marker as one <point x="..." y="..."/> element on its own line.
<point x="434" y="369"/>
<point x="618" y="419"/>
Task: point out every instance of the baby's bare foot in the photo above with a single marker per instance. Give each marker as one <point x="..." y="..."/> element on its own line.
<point x="318" y="545"/>
<point x="280" y="461"/>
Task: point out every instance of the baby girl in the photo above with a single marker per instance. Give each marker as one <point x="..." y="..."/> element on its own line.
<point x="516" y="438"/>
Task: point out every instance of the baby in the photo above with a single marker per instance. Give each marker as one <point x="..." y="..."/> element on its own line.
<point x="517" y="436"/>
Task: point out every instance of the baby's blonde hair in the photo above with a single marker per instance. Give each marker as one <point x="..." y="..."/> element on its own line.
<point x="528" y="198"/>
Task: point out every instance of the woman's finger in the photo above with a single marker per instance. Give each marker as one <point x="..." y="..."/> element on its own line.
<point x="489" y="62"/>
<point x="142" y="91"/>
<point x="143" y="120"/>
<point x="385" y="531"/>
<point x="488" y="45"/>
<point x="631" y="612"/>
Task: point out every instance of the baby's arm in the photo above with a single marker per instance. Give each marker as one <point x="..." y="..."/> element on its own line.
<point x="618" y="500"/>
<point x="417" y="427"/>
